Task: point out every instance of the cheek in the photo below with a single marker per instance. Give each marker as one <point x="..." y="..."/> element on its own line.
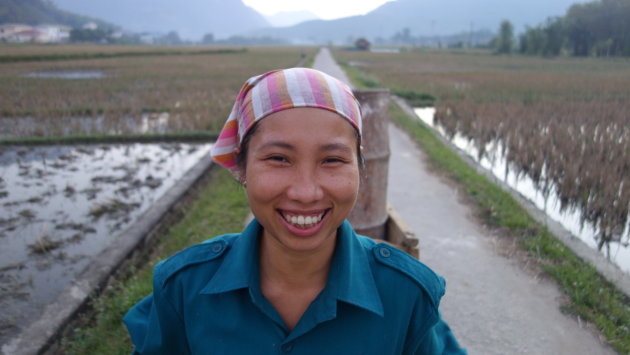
<point x="264" y="184"/>
<point x="345" y="186"/>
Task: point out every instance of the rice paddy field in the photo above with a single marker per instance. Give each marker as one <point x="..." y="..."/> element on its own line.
<point x="87" y="90"/>
<point x="564" y="122"/>
<point x="61" y="205"/>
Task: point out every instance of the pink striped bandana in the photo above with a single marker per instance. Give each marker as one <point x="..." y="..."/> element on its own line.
<point x="281" y="90"/>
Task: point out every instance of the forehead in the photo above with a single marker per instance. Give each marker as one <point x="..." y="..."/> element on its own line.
<point x="302" y="126"/>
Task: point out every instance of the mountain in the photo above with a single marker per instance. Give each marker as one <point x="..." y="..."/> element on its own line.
<point x="290" y="18"/>
<point x="191" y="19"/>
<point x="423" y="18"/>
<point x="38" y="12"/>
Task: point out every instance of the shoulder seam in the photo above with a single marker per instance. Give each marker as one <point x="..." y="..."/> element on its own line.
<point x="198" y="253"/>
<point x="430" y="282"/>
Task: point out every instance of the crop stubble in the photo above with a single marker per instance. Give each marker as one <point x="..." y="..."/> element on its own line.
<point x="197" y="90"/>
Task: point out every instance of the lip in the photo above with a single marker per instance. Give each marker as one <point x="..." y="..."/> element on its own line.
<point x="301" y="232"/>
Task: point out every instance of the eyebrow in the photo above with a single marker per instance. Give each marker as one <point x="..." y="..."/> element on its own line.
<point x="325" y="148"/>
<point x="336" y="146"/>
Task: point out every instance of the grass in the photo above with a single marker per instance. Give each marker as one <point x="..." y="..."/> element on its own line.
<point x="221" y="208"/>
<point x="94" y="55"/>
<point x="592" y="298"/>
<point x="106" y="138"/>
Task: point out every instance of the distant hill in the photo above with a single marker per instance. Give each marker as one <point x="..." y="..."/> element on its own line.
<point x="38" y="12"/>
<point x="424" y="18"/>
<point x="290" y="18"/>
<point x="192" y="19"/>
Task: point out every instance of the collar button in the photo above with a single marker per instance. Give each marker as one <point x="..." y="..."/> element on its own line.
<point x="217" y="248"/>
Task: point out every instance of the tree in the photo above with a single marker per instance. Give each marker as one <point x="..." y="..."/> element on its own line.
<point x="208" y="38"/>
<point x="505" y="40"/>
<point x="170" y="39"/>
<point x="554" y="37"/>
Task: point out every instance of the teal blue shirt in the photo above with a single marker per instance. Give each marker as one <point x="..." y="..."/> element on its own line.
<point x="207" y="300"/>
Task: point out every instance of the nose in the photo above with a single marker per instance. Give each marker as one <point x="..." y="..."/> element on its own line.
<point x="305" y="186"/>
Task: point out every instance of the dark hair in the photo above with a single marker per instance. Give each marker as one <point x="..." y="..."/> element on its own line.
<point x="241" y="157"/>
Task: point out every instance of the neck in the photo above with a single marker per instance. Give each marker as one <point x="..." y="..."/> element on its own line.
<point x="294" y="269"/>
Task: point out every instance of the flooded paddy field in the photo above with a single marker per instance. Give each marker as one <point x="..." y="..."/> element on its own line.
<point x="495" y="160"/>
<point x="61" y="205"/>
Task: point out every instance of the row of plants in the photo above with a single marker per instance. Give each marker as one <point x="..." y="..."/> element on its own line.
<point x="563" y="123"/>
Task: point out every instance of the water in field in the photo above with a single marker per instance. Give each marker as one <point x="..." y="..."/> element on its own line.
<point x="570" y="219"/>
<point x="70" y="75"/>
<point x="20" y="127"/>
<point x="61" y="205"/>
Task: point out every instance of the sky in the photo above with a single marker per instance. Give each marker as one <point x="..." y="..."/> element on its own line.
<point x="324" y="9"/>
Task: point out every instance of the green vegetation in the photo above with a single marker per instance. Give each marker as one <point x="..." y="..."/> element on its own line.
<point x="116" y="54"/>
<point x="596" y="28"/>
<point x="104" y="138"/>
<point x="505" y="42"/>
<point x="221" y="208"/>
<point x="35" y="12"/>
<point x="591" y="297"/>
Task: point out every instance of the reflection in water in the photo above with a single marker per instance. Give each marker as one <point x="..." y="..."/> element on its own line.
<point x="62" y="205"/>
<point x="494" y="160"/>
<point x="71" y="75"/>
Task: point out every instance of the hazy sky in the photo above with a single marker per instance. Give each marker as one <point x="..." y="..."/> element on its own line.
<point x="325" y="9"/>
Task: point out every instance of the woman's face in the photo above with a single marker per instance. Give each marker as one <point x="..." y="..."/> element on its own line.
<point x="302" y="176"/>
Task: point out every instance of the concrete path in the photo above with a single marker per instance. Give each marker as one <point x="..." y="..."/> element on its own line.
<point x="491" y="303"/>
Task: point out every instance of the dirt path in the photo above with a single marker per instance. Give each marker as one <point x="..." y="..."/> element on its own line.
<point x="492" y="304"/>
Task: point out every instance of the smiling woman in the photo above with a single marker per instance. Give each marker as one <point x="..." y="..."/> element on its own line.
<point x="298" y="278"/>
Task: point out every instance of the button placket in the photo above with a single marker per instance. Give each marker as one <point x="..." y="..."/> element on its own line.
<point x="287" y="347"/>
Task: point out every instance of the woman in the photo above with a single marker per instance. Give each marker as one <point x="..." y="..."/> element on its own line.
<point x="297" y="279"/>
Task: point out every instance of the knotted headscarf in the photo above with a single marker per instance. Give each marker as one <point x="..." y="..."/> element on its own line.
<point x="280" y="90"/>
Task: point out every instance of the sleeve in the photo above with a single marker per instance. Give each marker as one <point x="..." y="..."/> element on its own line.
<point x="156" y="328"/>
<point x="440" y="340"/>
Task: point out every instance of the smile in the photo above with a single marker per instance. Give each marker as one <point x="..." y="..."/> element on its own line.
<point x="303" y="221"/>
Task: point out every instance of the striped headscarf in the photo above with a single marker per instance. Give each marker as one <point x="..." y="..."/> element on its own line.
<point x="280" y="90"/>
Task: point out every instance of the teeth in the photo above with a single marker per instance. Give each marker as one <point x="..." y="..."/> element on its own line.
<point x="302" y="221"/>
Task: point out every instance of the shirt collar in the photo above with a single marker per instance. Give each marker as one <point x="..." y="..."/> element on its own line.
<point x="350" y="279"/>
<point x="351" y="273"/>
<point x="239" y="263"/>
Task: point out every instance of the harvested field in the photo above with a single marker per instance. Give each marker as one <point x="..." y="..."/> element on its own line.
<point x="183" y="91"/>
<point x="562" y="122"/>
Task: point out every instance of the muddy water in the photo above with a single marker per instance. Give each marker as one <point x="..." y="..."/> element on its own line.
<point x="494" y="161"/>
<point x="61" y="205"/>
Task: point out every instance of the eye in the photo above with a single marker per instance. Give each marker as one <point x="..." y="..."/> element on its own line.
<point x="277" y="159"/>
<point x="334" y="160"/>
